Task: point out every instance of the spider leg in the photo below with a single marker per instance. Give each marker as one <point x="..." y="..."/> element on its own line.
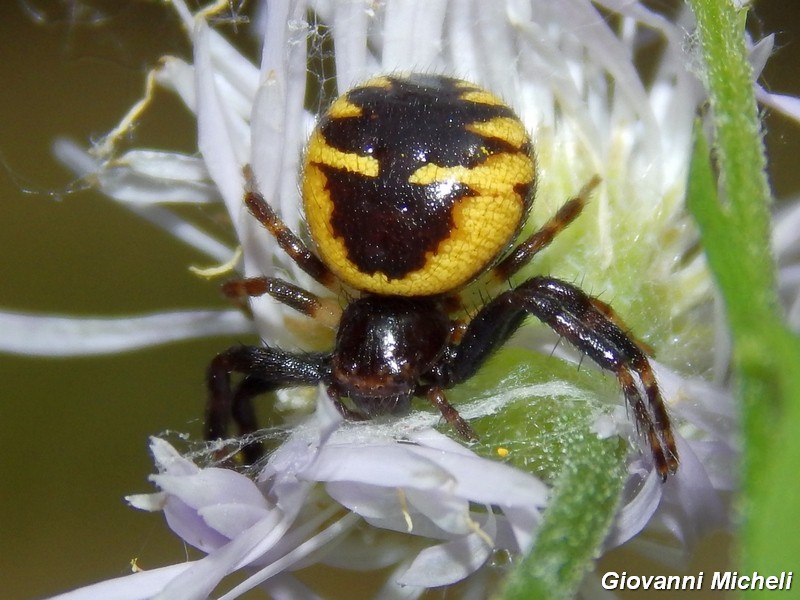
<point x="265" y="369"/>
<point x="522" y="254"/>
<point x="436" y="396"/>
<point x="287" y="240"/>
<point x="577" y="318"/>
<point x="612" y="315"/>
<point x="326" y="311"/>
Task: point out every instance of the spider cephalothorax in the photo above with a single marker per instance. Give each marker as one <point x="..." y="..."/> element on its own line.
<point x="413" y="186"/>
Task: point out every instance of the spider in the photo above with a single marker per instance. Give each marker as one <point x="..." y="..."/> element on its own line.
<point x="413" y="186"/>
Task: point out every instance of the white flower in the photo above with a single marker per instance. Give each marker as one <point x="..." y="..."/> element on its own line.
<point x="376" y="495"/>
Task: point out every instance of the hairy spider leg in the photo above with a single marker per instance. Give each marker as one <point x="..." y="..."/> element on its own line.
<point x="326" y="311"/>
<point x="436" y="396"/>
<point x="612" y="315"/>
<point x="287" y="240"/>
<point x="576" y="317"/>
<point x="265" y="369"/>
<point x="524" y="252"/>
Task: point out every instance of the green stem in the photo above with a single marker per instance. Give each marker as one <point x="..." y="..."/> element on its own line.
<point x="741" y="159"/>
<point x="736" y="238"/>
<point x="579" y="514"/>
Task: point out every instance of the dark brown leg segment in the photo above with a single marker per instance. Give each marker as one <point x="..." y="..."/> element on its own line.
<point x="287" y="240"/>
<point x="528" y="248"/>
<point x="577" y="318"/>
<point x="436" y="397"/>
<point x="265" y="369"/>
<point x="326" y="311"/>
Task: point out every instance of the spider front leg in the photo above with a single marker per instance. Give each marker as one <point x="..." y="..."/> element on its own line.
<point x="586" y="324"/>
<point x="524" y="252"/>
<point x="324" y="310"/>
<point x="265" y="369"/>
<point x="289" y="242"/>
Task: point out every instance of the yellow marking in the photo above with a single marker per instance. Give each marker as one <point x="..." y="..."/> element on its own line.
<point x="497" y="175"/>
<point x="481" y="97"/>
<point x="503" y="452"/>
<point x="381" y="81"/>
<point x="484" y="226"/>
<point x="344" y="109"/>
<point x="485" y="223"/>
<point x="504" y="128"/>
<point x="320" y="152"/>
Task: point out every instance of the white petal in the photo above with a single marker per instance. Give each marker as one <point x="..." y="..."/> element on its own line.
<point x="42" y="335"/>
<point x="231" y="519"/>
<point x="450" y="562"/>
<point x="149" y="502"/>
<point x="86" y="165"/>
<point x="222" y="135"/>
<point x="495" y="43"/>
<point x="279" y="128"/>
<point x="168" y="460"/>
<point x="442" y="507"/>
<point x="488" y="482"/>
<point x="692" y="507"/>
<point x="413" y="35"/>
<point x="188" y="525"/>
<point x="149" y="176"/>
<point x="287" y="561"/>
<point x="636" y="512"/>
<point x="184" y="231"/>
<point x="394" y="590"/>
<point x="376" y="464"/>
<point x="787" y="105"/>
<point x="137" y="586"/>
<point x="178" y="75"/>
<point x="430" y="486"/>
<point x="235" y="70"/>
<point x="146" y="176"/>
<point x="350" y="28"/>
<point x="786" y="228"/>
<point x="197" y="582"/>
<point x="760" y="53"/>
<point x="362" y="550"/>
<point x="212" y="487"/>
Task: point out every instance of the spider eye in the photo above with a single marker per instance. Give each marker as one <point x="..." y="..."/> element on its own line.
<point x="414" y="185"/>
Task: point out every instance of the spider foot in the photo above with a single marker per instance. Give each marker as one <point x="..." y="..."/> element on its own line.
<point x="436" y="397"/>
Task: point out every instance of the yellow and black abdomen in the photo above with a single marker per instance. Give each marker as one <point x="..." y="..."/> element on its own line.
<point x="414" y="185"/>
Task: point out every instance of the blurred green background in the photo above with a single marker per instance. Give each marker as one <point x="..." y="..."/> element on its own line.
<point x="75" y="431"/>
